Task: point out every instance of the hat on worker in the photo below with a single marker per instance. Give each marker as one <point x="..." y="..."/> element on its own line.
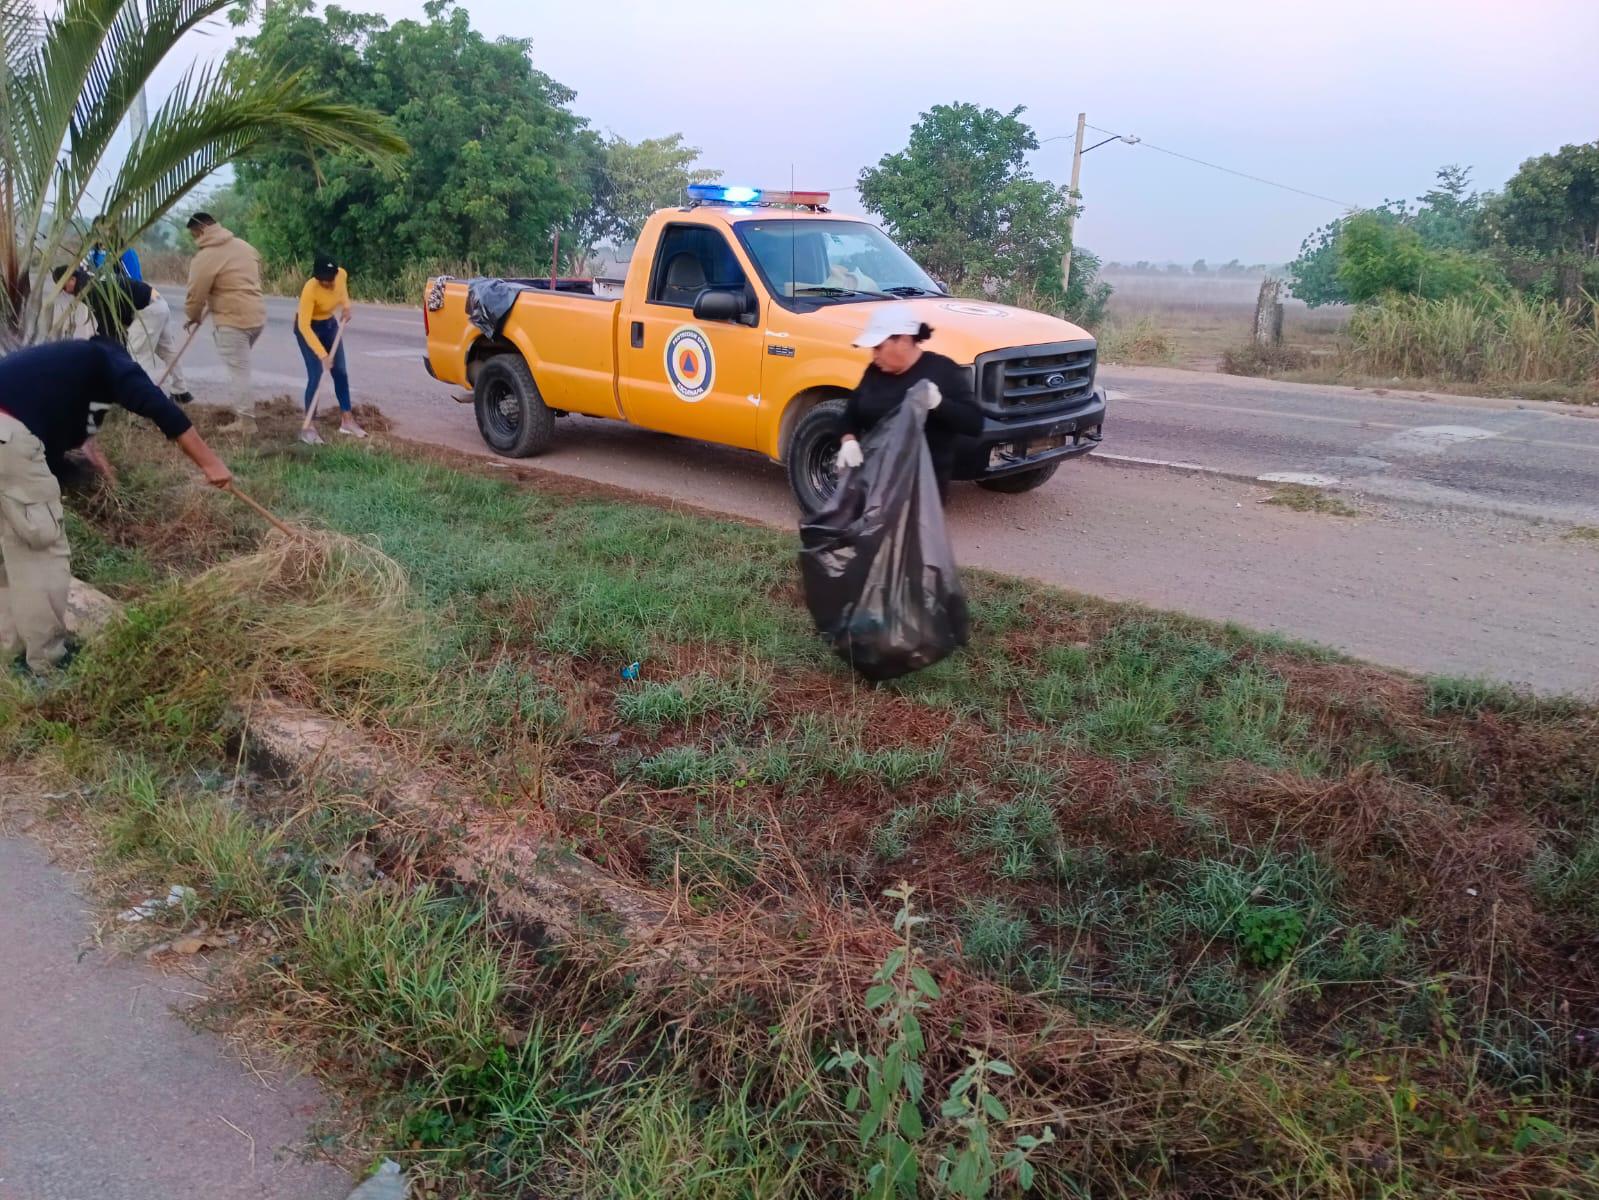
<point x="324" y="267"/>
<point x="889" y="320"/>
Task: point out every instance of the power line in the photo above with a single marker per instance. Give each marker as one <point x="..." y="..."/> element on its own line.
<point x="1229" y="171"/>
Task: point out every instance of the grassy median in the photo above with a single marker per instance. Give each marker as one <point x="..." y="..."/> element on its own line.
<point x="1216" y="914"/>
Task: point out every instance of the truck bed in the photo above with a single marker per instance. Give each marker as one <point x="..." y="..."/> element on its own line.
<point x="567" y="336"/>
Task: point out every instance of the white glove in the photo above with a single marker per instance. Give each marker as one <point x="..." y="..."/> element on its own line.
<point x="849" y="454"/>
<point x="926" y="393"/>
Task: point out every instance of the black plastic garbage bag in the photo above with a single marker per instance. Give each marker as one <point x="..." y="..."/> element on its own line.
<point x="879" y="574"/>
<point x="489" y="301"/>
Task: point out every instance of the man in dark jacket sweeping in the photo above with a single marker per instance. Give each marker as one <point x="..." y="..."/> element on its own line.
<point x="53" y="398"/>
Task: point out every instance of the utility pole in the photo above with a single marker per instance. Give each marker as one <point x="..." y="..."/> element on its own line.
<point x="1071" y="216"/>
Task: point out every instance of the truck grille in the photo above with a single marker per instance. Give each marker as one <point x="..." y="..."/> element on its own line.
<point x="1031" y="379"/>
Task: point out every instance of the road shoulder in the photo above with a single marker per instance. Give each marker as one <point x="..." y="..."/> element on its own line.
<point x="107" y="1092"/>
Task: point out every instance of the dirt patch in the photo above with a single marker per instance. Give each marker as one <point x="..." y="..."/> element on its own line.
<point x="280" y="419"/>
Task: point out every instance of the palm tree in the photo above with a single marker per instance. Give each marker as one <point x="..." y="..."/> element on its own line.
<point x="69" y="79"/>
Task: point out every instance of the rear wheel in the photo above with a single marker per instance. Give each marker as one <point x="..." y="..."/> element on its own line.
<point x="813" y="455"/>
<point x="1021" y="481"/>
<point x="511" y="415"/>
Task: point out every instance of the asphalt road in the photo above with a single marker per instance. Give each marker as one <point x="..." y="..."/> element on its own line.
<point x="1529" y="459"/>
<point x="1456" y="565"/>
<point x="106" y="1092"/>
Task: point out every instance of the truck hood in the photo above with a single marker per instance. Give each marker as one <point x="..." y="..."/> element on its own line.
<point x="962" y="329"/>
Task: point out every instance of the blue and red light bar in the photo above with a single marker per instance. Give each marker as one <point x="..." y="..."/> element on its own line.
<point x="727" y="193"/>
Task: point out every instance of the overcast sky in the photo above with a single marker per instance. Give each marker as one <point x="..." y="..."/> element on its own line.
<point x="1358" y="101"/>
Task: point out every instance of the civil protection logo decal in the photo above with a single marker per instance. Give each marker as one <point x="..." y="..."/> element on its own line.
<point x="690" y="366"/>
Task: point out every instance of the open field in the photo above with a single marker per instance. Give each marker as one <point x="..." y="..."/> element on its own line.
<point x="1237" y="917"/>
<point x="1205" y="316"/>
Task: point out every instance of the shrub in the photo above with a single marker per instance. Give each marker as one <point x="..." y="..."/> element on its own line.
<point x="1254" y="359"/>
<point x="1142" y="342"/>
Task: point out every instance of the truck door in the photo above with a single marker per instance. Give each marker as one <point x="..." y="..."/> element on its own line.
<point x="678" y="374"/>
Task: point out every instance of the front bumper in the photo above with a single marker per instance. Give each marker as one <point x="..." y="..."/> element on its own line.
<point x="1022" y="444"/>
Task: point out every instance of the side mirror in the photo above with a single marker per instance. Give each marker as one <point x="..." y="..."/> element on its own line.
<point x="719" y="306"/>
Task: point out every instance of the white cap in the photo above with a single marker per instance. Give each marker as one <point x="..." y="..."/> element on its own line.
<point x="889" y="320"/>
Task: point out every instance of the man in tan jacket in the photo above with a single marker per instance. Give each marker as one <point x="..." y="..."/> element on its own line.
<point x="225" y="278"/>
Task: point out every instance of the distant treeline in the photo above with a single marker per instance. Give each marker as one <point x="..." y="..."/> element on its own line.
<point x="1199" y="266"/>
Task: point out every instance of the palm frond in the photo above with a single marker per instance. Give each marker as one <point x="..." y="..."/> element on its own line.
<point x="20" y="33"/>
<point x="215" y="116"/>
<point x="68" y="80"/>
<point x="93" y="62"/>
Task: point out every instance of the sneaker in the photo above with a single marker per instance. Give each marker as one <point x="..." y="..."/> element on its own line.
<point x="183" y="397"/>
<point x="311" y="437"/>
<point x="351" y="428"/>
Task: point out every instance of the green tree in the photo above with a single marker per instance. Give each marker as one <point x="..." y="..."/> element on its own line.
<point x="68" y="80"/>
<point x="1447" y="215"/>
<point x="633" y="179"/>
<point x="1551" y="205"/>
<point x="1200" y="267"/>
<point x="961" y="200"/>
<point x="499" y="162"/>
<point x="1378" y="257"/>
<point x="1444" y="219"/>
<point x="1314" y="276"/>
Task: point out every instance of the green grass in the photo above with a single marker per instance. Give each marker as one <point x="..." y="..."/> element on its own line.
<point x="1148" y="689"/>
<point x="892" y="838"/>
<point x="1582" y="533"/>
<point x="613" y="585"/>
<point x="653" y="706"/>
<point x="993" y="934"/>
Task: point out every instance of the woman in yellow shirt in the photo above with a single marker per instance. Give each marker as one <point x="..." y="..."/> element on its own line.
<point x="324" y="300"/>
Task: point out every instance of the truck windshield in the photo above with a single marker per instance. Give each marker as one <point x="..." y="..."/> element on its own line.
<point x="832" y="262"/>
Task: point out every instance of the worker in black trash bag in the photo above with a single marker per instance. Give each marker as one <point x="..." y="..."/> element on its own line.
<point x="895" y="334"/>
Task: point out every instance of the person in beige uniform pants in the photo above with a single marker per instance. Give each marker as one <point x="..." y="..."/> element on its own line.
<point x="225" y="280"/>
<point x="53" y="398"/>
<point x="154" y="346"/>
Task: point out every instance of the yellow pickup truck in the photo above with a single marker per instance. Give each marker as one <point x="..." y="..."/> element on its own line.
<point x="734" y="326"/>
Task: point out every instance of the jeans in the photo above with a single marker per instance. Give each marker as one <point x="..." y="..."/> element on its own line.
<point x="325" y="331"/>
<point x="233" y="347"/>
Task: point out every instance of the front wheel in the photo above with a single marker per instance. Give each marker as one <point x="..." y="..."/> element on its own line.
<point x="511" y="415"/>
<point x="1021" y="481"/>
<point x="813" y="455"/>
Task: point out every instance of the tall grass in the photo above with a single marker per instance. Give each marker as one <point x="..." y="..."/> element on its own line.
<point x="1140" y="342"/>
<point x="1488" y="337"/>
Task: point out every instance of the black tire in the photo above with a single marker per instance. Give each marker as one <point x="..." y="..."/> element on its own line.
<point x="511" y="415"/>
<point x="813" y="454"/>
<point x="1022" y="481"/>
